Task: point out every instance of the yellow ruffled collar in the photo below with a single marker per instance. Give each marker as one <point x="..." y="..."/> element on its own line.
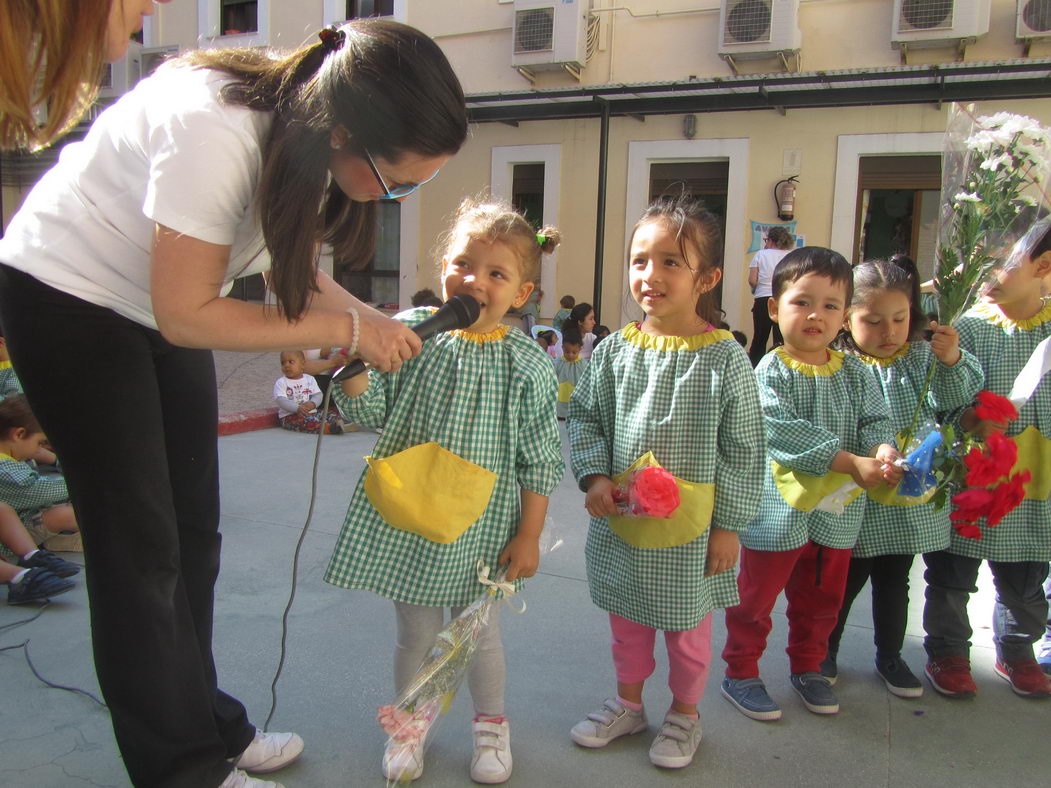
<point x="565" y="360"/>
<point x="830" y="367"/>
<point x="5" y="364"/>
<point x="885" y="362"/>
<point x="633" y="335"/>
<point x="495" y="335"/>
<point x="997" y="318"/>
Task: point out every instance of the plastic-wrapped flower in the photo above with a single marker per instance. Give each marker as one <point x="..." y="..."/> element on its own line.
<point x="1007" y="496"/>
<point x="988" y="467"/>
<point x="993" y="407"/>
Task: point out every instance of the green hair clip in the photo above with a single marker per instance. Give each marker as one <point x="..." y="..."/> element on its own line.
<point x="541" y="239"/>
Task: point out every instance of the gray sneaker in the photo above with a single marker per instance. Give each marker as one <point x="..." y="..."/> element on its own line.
<point x="749" y="696"/>
<point x="677" y="742"/>
<point x="610" y="722"/>
<point x="816" y="692"/>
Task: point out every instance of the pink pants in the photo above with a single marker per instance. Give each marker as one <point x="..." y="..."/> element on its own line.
<point x="689" y="655"/>
<point x="813" y="579"/>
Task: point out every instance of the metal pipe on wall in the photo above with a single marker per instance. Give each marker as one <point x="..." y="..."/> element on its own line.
<point x="600" y="219"/>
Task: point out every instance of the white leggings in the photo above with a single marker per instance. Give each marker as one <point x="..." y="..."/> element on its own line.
<point x="419" y="625"/>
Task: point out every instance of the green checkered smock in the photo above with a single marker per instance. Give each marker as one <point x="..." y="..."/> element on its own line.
<point x="903" y="530"/>
<point x="26" y="491"/>
<point x="9" y="382"/>
<point x="692" y="401"/>
<point x="811" y="413"/>
<point x="1003" y="346"/>
<point x="489" y="398"/>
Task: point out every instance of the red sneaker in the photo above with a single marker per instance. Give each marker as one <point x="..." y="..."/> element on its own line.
<point x="951" y="676"/>
<point x="1026" y="677"/>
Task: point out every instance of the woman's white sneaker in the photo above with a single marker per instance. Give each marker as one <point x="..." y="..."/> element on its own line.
<point x="269" y="752"/>
<point x="238" y="779"/>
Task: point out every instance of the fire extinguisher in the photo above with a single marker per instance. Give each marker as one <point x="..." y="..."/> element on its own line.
<point x="785" y="198"/>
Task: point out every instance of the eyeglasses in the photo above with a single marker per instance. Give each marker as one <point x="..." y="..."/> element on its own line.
<point x="398" y="191"/>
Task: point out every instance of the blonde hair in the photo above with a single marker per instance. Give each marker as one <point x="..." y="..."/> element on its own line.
<point x="494" y="220"/>
<point x="51" y="56"/>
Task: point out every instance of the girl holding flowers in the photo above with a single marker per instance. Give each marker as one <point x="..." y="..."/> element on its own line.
<point x="469" y="454"/>
<point x="677" y="392"/>
<point x="1002" y="330"/>
<point x="881" y="329"/>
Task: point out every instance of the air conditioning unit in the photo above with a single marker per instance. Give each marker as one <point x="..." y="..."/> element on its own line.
<point x="549" y="35"/>
<point x="758" y="28"/>
<point x="1033" y="19"/>
<point x="120" y="77"/>
<point x="151" y="57"/>
<point x="920" y="23"/>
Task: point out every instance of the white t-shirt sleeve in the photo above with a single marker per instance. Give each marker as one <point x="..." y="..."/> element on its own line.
<point x="204" y="164"/>
<point x="755" y="261"/>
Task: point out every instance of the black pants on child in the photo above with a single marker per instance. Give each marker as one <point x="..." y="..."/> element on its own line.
<point x="134" y="420"/>
<point x="890" y="600"/>
<point x="1019" y="616"/>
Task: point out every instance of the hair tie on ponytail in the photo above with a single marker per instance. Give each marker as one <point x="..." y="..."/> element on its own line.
<point x="541" y="239"/>
<point x="332" y="39"/>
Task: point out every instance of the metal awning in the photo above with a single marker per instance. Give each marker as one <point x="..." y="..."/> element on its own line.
<point x="936" y="83"/>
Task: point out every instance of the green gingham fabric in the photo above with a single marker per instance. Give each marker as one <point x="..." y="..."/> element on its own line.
<point x="9" y="382"/>
<point x="1025" y="533"/>
<point x="811" y="413"/>
<point x="902" y="530"/>
<point x="697" y="410"/>
<point x="25" y="490"/>
<point x="568" y="372"/>
<point x="490" y="402"/>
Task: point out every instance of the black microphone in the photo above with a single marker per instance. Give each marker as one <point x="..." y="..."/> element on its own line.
<point x="458" y="312"/>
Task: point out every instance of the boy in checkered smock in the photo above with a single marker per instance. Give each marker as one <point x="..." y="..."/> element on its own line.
<point x="568" y="369"/>
<point x="678" y="390"/>
<point x="826" y="426"/>
<point x="1002" y="330"/>
<point x="486" y="396"/>
<point x="882" y="323"/>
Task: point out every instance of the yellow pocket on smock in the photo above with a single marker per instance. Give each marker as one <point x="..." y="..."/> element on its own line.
<point x="687" y="522"/>
<point x="804" y="492"/>
<point x="1034" y="455"/>
<point x="888" y="496"/>
<point x="565" y="391"/>
<point x="429" y="491"/>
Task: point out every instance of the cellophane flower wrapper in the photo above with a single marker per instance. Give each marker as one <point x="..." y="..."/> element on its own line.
<point x="411" y="720"/>
<point x="650" y="492"/>
<point x="994" y="176"/>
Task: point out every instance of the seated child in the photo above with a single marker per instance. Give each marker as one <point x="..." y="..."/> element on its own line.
<point x="550" y="339"/>
<point x="298" y="398"/>
<point x="567" y="302"/>
<point x="568" y="370"/>
<point x="36" y="574"/>
<point x="826" y="424"/>
<point x="42" y="502"/>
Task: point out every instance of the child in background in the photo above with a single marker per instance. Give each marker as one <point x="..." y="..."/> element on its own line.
<point x="298" y="398"/>
<point x="425" y="297"/>
<point x="884" y="324"/>
<point x="549" y="339"/>
<point x="826" y="424"/>
<point x="582" y="320"/>
<point x="1002" y="331"/>
<point x="600" y="332"/>
<point x="483" y="400"/>
<point x="678" y="388"/>
<point x="568" y="370"/>
<point x="9" y="382"/>
<point x="567" y="302"/>
<point x="37" y="574"/>
<point x="42" y="502"/>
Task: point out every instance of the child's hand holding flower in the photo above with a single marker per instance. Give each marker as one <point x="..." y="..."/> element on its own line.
<point x="889" y="457"/>
<point x="599" y="500"/>
<point x="945" y="344"/>
<point x="521" y="556"/>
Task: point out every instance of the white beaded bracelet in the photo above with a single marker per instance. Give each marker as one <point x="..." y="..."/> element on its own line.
<point x="353" y="349"/>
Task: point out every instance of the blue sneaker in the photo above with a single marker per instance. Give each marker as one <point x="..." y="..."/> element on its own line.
<point x="749" y="696"/>
<point x="816" y="693"/>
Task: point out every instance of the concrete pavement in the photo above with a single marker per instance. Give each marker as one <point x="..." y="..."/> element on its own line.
<point x="337" y="669"/>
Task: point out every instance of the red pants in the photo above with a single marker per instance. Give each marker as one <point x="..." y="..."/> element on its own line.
<point x="689" y="655"/>
<point x="813" y="578"/>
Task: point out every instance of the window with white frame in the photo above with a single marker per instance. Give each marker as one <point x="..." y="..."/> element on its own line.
<point x="377" y="283"/>
<point x="234" y="22"/>
<point x="342" y="10"/>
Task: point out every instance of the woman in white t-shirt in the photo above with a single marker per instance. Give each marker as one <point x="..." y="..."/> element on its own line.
<point x="222" y="164"/>
<point x="778" y="242"/>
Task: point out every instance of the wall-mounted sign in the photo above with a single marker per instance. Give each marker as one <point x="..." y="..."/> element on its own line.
<point x="759" y="230"/>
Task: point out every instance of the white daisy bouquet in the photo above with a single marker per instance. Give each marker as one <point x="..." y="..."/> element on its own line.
<point x="994" y="171"/>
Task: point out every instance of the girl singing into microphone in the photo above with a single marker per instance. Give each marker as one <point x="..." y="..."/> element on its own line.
<point x="469" y="454"/>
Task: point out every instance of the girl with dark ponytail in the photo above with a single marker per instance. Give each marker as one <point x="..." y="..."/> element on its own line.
<point x="220" y="165"/>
